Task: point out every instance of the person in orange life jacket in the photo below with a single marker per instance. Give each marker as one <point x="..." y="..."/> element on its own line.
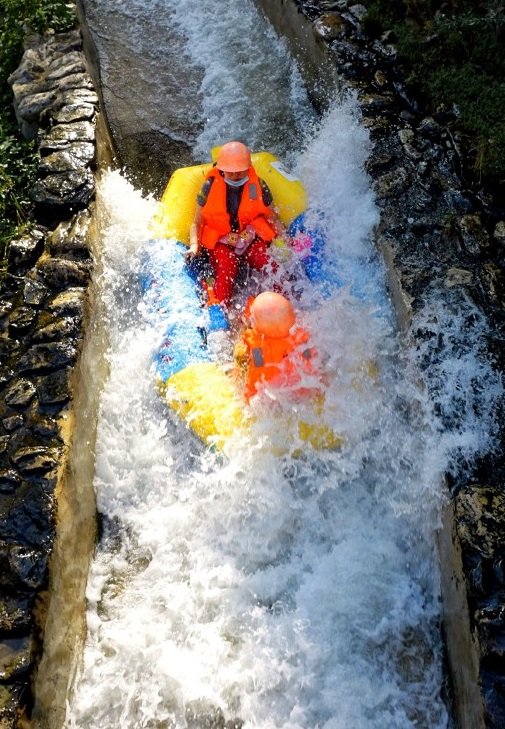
<point x="274" y="350"/>
<point x="234" y="221"/>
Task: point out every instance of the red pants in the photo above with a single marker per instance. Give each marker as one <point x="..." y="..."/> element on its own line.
<point x="225" y="264"/>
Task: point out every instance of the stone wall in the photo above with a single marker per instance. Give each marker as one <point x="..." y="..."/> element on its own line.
<point x="439" y="237"/>
<point x="43" y="312"/>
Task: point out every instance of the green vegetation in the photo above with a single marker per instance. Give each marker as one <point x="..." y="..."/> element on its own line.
<point x="17" y="158"/>
<point x="452" y="55"/>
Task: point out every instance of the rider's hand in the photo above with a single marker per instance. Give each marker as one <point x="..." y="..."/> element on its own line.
<point x="193" y="251"/>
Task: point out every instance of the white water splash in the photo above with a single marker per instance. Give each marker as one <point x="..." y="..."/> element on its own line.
<point x="250" y="87"/>
<point x="286" y="592"/>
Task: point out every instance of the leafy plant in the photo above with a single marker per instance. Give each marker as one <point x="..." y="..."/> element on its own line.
<point x="17" y="156"/>
<point x="452" y="54"/>
<point x="17" y="173"/>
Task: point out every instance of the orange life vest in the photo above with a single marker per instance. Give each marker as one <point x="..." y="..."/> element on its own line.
<point x="280" y="361"/>
<point x="252" y="210"/>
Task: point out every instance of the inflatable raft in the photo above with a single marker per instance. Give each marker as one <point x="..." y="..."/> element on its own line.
<point x="203" y="391"/>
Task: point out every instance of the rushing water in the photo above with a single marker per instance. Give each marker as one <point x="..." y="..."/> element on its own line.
<point x="286" y="592"/>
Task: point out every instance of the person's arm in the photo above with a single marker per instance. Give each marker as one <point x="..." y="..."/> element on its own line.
<point x="276" y="223"/>
<point x="272" y="217"/>
<point x="195" y="232"/>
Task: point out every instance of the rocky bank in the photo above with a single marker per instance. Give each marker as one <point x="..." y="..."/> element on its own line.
<point x="43" y="315"/>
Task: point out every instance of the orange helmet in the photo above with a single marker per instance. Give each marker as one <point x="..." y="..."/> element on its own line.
<point x="272" y="315"/>
<point x="233" y="157"/>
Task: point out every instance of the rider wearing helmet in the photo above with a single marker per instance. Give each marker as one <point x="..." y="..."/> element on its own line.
<point x="275" y="351"/>
<point x="234" y="219"/>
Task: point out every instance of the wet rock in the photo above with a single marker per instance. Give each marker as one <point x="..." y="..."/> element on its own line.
<point x="15" y="657"/>
<point x="70" y="239"/>
<point x="75" y="132"/>
<point x="458" y="277"/>
<point x="429" y="127"/>
<point x="74" y="113"/>
<point x="494" y="701"/>
<point x="48" y="145"/>
<point x="8" y="348"/>
<point x="71" y="157"/>
<point x="387" y="51"/>
<point x="474" y="236"/>
<point x="495" y="278"/>
<point x="499" y="232"/>
<point x="41" y="426"/>
<point x="13" y="698"/>
<point x="21" y="320"/>
<point x="26" y="84"/>
<point x="27" y="533"/>
<point x="59" y="330"/>
<point x="380" y="79"/>
<point x="48" y="356"/>
<point x="421" y="204"/>
<point x="9" y="481"/>
<point x="36" y="458"/>
<point x="358" y="10"/>
<point x="64" y="43"/>
<point x="12" y="422"/>
<point x="380" y="163"/>
<point x="349" y="57"/>
<point x="74" y="188"/>
<point x="54" y="389"/>
<point x="329" y="26"/>
<point x="15" y="614"/>
<point x="35" y="292"/>
<point x="56" y="104"/>
<point x="5" y="309"/>
<point x="49" y="78"/>
<point x="24" y="252"/>
<point x="45" y="91"/>
<point x="46" y="482"/>
<point x="31" y="67"/>
<point x="6" y="377"/>
<point x="60" y="273"/>
<point x="68" y="303"/>
<point x="67" y="65"/>
<point x="29" y="566"/>
<point x="74" y="81"/>
<point x="480" y="519"/>
<point x="20" y="393"/>
<point x="458" y="202"/>
<point x="392" y="184"/>
<point x="32" y="106"/>
<point x="372" y="104"/>
<point x="73" y="97"/>
<point x="406" y="136"/>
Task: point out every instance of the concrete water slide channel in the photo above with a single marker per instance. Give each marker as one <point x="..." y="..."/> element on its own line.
<point x="150" y="140"/>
